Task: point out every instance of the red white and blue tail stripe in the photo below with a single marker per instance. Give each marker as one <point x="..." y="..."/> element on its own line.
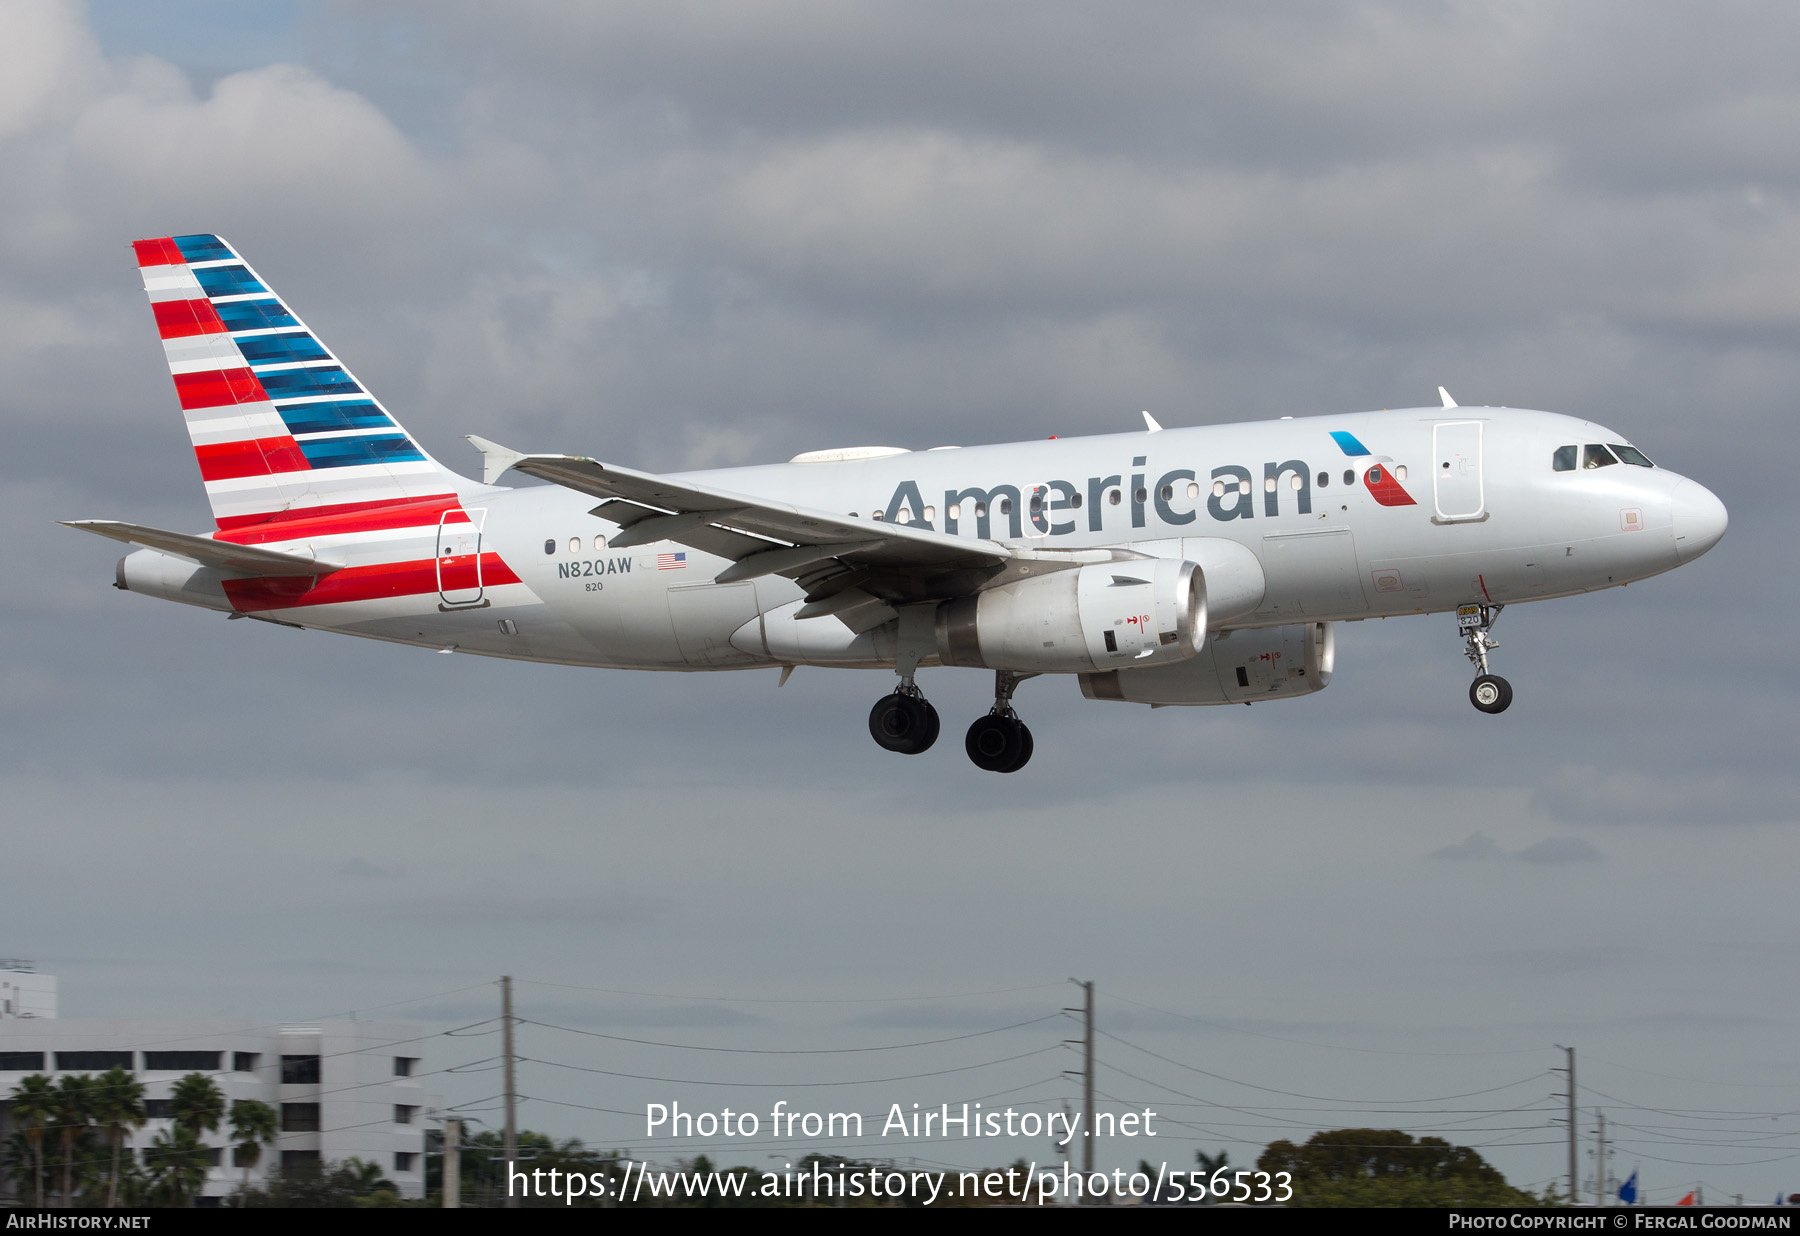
<point x="281" y="428"/>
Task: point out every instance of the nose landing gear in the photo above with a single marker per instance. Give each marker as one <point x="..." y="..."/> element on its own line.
<point x="1000" y="742"/>
<point x="1489" y="692"/>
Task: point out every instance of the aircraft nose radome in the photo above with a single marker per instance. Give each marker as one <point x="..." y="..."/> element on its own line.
<point x="1700" y="520"/>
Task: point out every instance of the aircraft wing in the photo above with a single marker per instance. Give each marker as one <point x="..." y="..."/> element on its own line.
<point x="243" y="559"/>
<point x="857" y="569"/>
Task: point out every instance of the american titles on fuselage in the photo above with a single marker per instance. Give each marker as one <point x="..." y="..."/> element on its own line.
<point x="1032" y="509"/>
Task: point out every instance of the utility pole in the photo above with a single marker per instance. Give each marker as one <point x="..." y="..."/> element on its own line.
<point x="1087" y="1074"/>
<point x="452" y="1163"/>
<point x="512" y="1122"/>
<point x="1574" y="1162"/>
<point x="1600" y="1159"/>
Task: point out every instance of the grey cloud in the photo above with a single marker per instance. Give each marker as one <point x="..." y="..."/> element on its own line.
<point x="1478" y="846"/>
<point x="1585" y="794"/>
<point x="1554" y="851"/>
<point x="1550" y="852"/>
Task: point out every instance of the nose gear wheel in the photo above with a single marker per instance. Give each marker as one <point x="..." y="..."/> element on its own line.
<point x="1489" y="692"/>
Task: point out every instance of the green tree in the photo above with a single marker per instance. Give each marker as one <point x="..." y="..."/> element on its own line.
<point x="197" y="1104"/>
<point x="253" y="1126"/>
<point x="74" y="1112"/>
<point x="177" y="1161"/>
<point x="340" y="1185"/>
<point x="369" y="1178"/>
<point x="1386" y="1167"/>
<point x="118" y="1104"/>
<point x="34" y="1107"/>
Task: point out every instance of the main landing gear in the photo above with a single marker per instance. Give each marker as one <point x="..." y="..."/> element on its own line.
<point x="999" y="742"/>
<point x="1489" y="692"/>
<point x="904" y="721"/>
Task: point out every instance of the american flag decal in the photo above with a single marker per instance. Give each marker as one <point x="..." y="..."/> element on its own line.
<point x="671" y="562"/>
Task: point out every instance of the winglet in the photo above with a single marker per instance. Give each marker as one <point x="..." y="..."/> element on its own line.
<point x="495" y="459"/>
<point x="1445" y="396"/>
<point x="1150" y="424"/>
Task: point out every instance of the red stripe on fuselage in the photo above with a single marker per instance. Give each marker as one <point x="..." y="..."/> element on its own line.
<point x="160" y="252"/>
<point x="364" y="583"/>
<point x="225" y="461"/>
<point x="215" y="388"/>
<point x="315" y="521"/>
<point x="177" y="319"/>
<point x="1387" y="490"/>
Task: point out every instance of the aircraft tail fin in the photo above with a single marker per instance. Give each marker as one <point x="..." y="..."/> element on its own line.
<point x="281" y="428"/>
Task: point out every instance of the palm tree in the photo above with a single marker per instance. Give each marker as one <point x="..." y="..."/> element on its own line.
<point x="197" y="1104"/>
<point x="118" y="1105"/>
<point x="33" y="1106"/>
<point x="74" y="1111"/>
<point x="177" y="1161"/>
<point x="253" y="1126"/>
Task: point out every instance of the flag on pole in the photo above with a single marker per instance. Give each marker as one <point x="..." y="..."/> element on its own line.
<point x="1628" y="1190"/>
<point x="1686" y="1201"/>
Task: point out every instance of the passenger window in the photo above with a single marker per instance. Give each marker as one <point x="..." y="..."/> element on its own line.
<point x="1564" y="459"/>
<point x="1631" y="455"/>
<point x="599" y="543"/>
<point x="550" y="546"/>
<point x="1218" y="489"/>
<point x="1074" y="502"/>
<point x="1112" y="497"/>
<point x="1597" y="456"/>
<point x="1324" y="479"/>
<point x="1349" y="476"/>
<point x="1375" y="475"/>
<point x="574" y="544"/>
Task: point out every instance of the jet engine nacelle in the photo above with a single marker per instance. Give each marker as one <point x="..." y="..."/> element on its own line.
<point x="1137" y="612"/>
<point x="1238" y="667"/>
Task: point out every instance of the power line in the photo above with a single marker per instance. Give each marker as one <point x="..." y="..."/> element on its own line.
<point x="788" y="1051"/>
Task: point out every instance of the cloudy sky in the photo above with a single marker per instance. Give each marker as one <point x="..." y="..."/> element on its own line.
<point x="684" y="235"/>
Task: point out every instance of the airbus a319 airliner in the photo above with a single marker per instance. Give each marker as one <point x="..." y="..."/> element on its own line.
<point x="1162" y="567"/>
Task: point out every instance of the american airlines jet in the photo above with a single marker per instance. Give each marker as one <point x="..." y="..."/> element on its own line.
<point x="1162" y="567"/>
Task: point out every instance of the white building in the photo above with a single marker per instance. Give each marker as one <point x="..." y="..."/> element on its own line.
<point x="24" y="992"/>
<point x="341" y="1089"/>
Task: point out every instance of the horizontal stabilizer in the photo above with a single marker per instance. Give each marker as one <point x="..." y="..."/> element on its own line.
<point x="243" y="559"/>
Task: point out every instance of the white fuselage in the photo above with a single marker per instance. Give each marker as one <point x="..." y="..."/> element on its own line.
<point x="1468" y="508"/>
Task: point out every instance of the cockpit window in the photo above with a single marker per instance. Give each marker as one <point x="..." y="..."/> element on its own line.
<point x="1596" y="456"/>
<point x="1564" y="458"/>
<point x="1631" y="455"/>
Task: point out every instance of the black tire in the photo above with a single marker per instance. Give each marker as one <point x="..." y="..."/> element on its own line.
<point x="932" y="726"/>
<point x="903" y="723"/>
<point x="1025" y="748"/>
<point x="993" y="743"/>
<point x="1490" y="693"/>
